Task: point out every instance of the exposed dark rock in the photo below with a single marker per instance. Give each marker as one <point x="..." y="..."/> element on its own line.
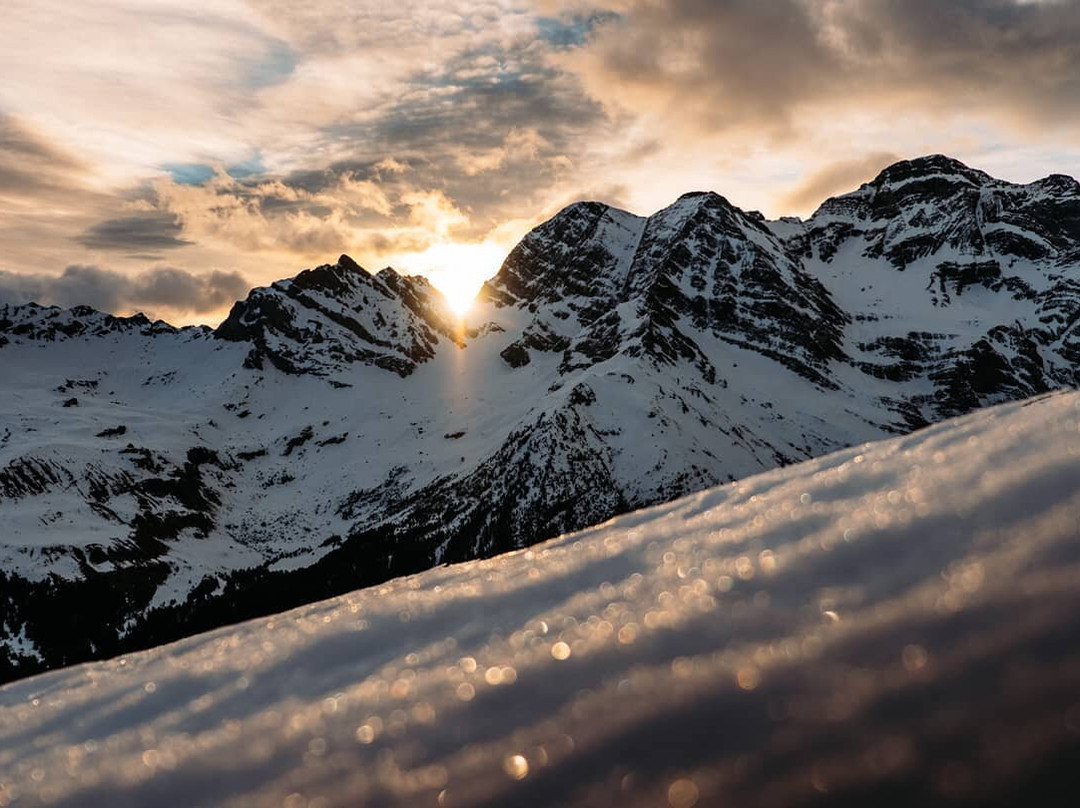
<point x="515" y="355"/>
<point x="306" y="434"/>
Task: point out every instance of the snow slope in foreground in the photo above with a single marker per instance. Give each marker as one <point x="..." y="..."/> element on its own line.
<point x="895" y="624"/>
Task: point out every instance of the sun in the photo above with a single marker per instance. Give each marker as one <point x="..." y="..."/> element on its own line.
<point x="458" y="270"/>
<point x="459" y="298"/>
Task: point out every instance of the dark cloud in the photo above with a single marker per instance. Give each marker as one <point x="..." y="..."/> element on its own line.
<point x="145" y="231"/>
<point x="725" y="61"/>
<point x="179" y="289"/>
<point x="836" y="178"/>
<point x="729" y="63"/>
<point x="107" y="290"/>
<point x="1017" y="55"/>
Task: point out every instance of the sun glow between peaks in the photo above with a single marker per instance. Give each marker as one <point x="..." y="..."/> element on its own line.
<point x="457" y="270"/>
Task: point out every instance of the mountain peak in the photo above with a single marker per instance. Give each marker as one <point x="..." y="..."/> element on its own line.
<point x="1060" y="182"/>
<point x="582" y="210"/>
<point x="345" y="262"/>
<point x="334" y="280"/>
<point x="696" y="195"/>
<point x="931" y="165"/>
<point x="699" y="199"/>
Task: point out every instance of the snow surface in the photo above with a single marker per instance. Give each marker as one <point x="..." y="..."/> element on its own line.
<point x="615" y="362"/>
<point x="170" y="392"/>
<point x="897" y="623"/>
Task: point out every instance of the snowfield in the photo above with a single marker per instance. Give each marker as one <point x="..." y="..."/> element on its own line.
<point x="897" y="623"/>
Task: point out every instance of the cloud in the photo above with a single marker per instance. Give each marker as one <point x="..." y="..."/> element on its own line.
<point x="29" y="162"/>
<point x="433" y="211"/>
<point x="311" y="216"/>
<point x="367" y="124"/>
<point x="737" y="64"/>
<point x="719" y="63"/>
<point x="134" y="85"/>
<point x="520" y="145"/>
<point x="144" y="231"/>
<point x="48" y="197"/>
<point x="34" y="170"/>
<point x="163" y="287"/>
<point x="836" y="178"/>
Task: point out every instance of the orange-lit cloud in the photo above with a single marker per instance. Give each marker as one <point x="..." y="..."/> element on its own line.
<point x="836" y="178"/>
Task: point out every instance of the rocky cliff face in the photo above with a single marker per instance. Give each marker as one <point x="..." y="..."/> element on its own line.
<point x="600" y="282"/>
<point x="336" y="316"/>
<point x="341" y="427"/>
<point x="964" y="283"/>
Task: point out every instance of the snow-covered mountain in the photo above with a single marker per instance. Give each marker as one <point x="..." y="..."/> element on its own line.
<point x="895" y="625"/>
<point x="341" y="428"/>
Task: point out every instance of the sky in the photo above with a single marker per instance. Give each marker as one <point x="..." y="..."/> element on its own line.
<point x="167" y="155"/>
